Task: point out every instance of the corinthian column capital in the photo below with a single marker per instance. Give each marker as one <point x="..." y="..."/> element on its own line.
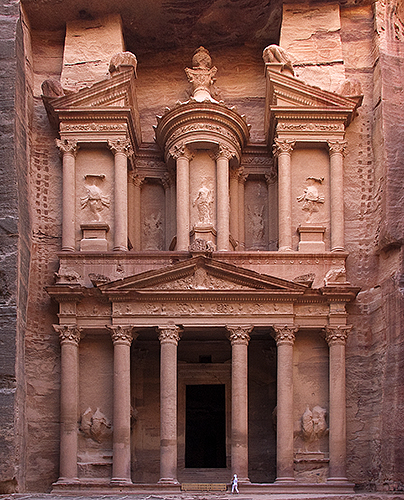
<point x="67" y="146"/>
<point x="239" y="334"/>
<point x="283" y="146"/>
<point x="169" y="334"/>
<point x="337" y="334"/>
<point x="68" y="334"/>
<point x="121" y="146"/>
<point x="285" y="334"/>
<point x="122" y="334"/>
<point x="181" y="151"/>
<point x="224" y="152"/>
<point x="337" y="147"/>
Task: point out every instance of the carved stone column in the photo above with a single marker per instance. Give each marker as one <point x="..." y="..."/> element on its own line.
<point x="69" y="336"/>
<point x="121" y="149"/>
<point x="337" y="194"/>
<point x="122" y="337"/>
<point x="283" y="150"/>
<point x="169" y="337"/>
<point x="239" y="338"/>
<point x="234" y="204"/>
<point x="285" y="338"/>
<point x="137" y="232"/>
<point x="241" y="208"/>
<point x="336" y="339"/>
<point x="222" y="197"/>
<point x="183" y="156"/>
<point x="68" y="148"/>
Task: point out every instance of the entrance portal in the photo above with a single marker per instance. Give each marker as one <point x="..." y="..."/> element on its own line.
<point x="205" y="430"/>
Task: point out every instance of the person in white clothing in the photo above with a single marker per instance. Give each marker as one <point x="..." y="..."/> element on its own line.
<point x="234" y="484"/>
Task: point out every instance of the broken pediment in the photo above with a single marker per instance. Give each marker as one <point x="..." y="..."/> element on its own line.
<point x="296" y="109"/>
<point x="201" y="274"/>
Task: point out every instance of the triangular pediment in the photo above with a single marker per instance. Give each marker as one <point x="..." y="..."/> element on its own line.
<point x="286" y="91"/>
<point x="201" y="274"/>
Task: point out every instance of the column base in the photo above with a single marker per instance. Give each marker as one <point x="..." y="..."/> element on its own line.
<point x="244" y="480"/>
<point x="285" y="480"/>
<point x="285" y="249"/>
<point x="66" y="481"/>
<point x="168" y="480"/>
<point x="337" y="480"/>
<point x="120" y="481"/>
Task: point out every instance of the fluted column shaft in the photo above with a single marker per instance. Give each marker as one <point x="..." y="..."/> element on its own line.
<point x="222" y="197"/>
<point x="234" y="204"/>
<point x="241" y="210"/>
<point x="283" y="149"/>
<point x="336" y="339"/>
<point x="183" y="156"/>
<point x="68" y="148"/>
<point x="239" y="338"/>
<point x="137" y="185"/>
<point x="121" y="149"/>
<point x="169" y="337"/>
<point x="69" y="336"/>
<point x="122" y="338"/>
<point x="337" y="194"/>
<point x="285" y="338"/>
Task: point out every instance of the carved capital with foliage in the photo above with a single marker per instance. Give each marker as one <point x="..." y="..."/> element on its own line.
<point x="68" y="334"/>
<point x="285" y="334"/>
<point x="181" y="151"/>
<point x="122" y="334"/>
<point x="337" y="334"/>
<point x="224" y="152"/>
<point x="121" y="146"/>
<point x="239" y="334"/>
<point x="169" y="334"/>
<point x="283" y="146"/>
<point x="337" y="147"/>
<point x="67" y="146"/>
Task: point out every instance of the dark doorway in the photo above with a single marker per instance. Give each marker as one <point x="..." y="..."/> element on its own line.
<point x="205" y="431"/>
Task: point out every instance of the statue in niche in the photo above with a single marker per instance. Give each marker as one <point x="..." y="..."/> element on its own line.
<point x="203" y="203"/>
<point x="313" y="424"/>
<point x="256" y="223"/>
<point x="152" y="230"/>
<point x="311" y="198"/>
<point x="95" y="425"/>
<point x="94" y="200"/>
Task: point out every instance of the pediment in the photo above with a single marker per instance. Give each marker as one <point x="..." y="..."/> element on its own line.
<point x="289" y="92"/>
<point x="201" y="275"/>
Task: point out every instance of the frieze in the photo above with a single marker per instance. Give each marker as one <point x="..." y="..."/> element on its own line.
<point x="311" y="127"/>
<point x="93" y="127"/>
<point x="203" y="127"/>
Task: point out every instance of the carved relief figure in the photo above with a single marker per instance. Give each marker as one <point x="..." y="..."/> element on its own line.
<point x="275" y="54"/>
<point x="313" y="424"/>
<point x="203" y="203"/>
<point x="153" y="230"/>
<point x="95" y="200"/>
<point x="95" y="425"/>
<point x="311" y="198"/>
<point x="256" y="223"/>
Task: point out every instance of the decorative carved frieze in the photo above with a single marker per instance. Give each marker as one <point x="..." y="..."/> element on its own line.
<point x="169" y="334"/>
<point x="93" y="127"/>
<point x="284" y="146"/>
<point x="122" y="334"/>
<point x="310" y="127"/>
<point x="337" y="147"/>
<point x="121" y="146"/>
<point x="285" y="334"/>
<point x="68" y="334"/>
<point x="337" y="334"/>
<point x="67" y="146"/>
<point x="239" y="334"/>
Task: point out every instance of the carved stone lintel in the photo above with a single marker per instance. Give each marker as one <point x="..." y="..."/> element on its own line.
<point x="285" y="334"/>
<point x="224" y="152"/>
<point x="337" y="334"/>
<point x="169" y="334"/>
<point x="67" y="146"/>
<point x="283" y="146"/>
<point x="122" y="334"/>
<point x="68" y="334"/>
<point x="121" y="146"/>
<point x="239" y="334"/>
<point x="337" y="147"/>
<point x="180" y="150"/>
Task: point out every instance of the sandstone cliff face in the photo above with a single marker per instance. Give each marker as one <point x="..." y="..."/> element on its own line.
<point x="364" y="44"/>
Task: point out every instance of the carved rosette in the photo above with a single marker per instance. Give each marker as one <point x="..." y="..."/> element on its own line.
<point x="239" y="335"/>
<point x="337" y="334"/>
<point x="283" y="146"/>
<point x="285" y="334"/>
<point x="67" y="146"/>
<point x="169" y="334"/>
<point x="181" y="151"/>
<point x="121" y="146"/>
<point x="337" y="147"/>
<point x="122" y="335"/>
<point x="68" y="334"/>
